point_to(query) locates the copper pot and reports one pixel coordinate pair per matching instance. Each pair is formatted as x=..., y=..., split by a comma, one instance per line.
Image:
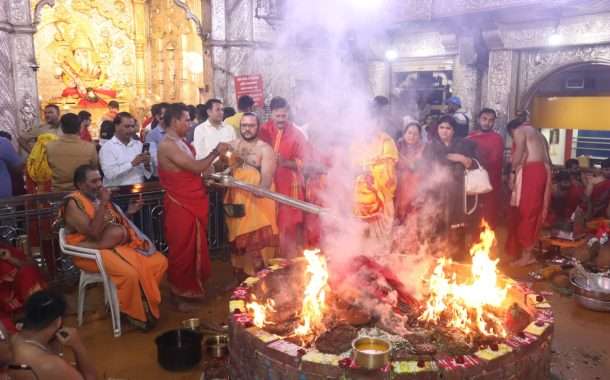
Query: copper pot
x=371, y=353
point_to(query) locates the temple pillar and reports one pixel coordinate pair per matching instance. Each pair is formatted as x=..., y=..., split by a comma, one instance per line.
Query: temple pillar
x=140, y=24
x=466, y=78
x=7, y=100
x=501, y=81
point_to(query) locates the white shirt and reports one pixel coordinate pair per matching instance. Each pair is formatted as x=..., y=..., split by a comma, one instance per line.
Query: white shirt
x=206, y=137
x=115, y=160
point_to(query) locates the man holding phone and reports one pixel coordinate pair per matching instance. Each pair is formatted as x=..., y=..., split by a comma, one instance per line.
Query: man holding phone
x=124, y=159
x=37, y=346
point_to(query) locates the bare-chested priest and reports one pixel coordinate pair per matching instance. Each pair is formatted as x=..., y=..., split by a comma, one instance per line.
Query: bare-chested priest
x=253, y=236
x=530, y=182
x=186, y=208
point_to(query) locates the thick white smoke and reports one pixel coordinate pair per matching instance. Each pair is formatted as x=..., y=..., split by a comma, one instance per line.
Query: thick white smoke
x=333, y=40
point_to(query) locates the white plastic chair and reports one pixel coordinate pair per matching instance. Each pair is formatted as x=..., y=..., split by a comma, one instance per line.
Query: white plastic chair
x=110, y=293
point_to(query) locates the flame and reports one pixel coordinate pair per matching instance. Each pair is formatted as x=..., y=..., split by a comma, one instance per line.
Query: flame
x=259, y=311
x=312, y=311
x=464, y=304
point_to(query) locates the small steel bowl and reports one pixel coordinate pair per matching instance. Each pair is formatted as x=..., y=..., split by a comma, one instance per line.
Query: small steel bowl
x=191, y=324
x=371, y=353
x=217, y=346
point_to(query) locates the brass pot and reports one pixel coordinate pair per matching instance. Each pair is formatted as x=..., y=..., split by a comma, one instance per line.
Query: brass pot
x=191, y=324
x=371, y=353
x=217, y=346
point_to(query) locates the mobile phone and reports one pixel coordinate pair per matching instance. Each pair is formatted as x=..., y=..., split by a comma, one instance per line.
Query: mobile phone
x=145, y=147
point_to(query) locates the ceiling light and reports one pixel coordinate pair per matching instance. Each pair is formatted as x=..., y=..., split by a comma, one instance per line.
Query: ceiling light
x=555, y=39
x=391, y=55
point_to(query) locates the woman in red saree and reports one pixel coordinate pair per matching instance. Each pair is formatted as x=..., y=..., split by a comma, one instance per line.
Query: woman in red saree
x=19, y=278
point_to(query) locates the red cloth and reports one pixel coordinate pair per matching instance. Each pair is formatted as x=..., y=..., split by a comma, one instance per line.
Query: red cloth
x=598, y=192
x=525, y=221
x=186, y=221
x=573, y=199
x=85, y=135
x=408, y=180
x=17, y=283
x=490, y=149
x=289, y=144
x=84, y=101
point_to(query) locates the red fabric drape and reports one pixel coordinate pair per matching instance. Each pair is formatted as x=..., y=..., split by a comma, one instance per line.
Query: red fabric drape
x=490, y=149
x=525, y=221
x=290, y=144
x=186, y=220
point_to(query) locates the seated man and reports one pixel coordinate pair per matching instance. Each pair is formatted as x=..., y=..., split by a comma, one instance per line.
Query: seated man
x=35, y=346
x=19, y=278
x=568, y=193
x=253, y=236
x=130, y=258
x=597, y=189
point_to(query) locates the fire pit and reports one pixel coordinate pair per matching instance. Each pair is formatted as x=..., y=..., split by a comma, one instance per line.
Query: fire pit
x=294, y=321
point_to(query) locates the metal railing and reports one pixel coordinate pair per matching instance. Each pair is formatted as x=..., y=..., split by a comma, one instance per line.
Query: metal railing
x=28, y=221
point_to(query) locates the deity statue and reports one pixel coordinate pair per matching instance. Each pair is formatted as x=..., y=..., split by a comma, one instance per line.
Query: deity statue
x=27, y=113
x=79, y=62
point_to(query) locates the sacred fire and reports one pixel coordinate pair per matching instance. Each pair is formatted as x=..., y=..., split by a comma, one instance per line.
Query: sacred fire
x=463, y=306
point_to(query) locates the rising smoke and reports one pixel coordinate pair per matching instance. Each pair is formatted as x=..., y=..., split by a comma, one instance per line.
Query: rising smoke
x=334, y=39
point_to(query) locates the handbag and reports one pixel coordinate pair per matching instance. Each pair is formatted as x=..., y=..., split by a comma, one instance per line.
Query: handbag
x=476, y=181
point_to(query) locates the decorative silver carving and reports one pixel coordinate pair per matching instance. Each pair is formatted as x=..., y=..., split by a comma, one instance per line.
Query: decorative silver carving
x=218, y=20
x=3, y=11
x=582, y=30
x=7, y=103
x=446, y=8
x=378, y=78
x=19, y=10
x=423, y=45
x=499, y=82
x=537, y=65
x=27, y=113
x=466, y=86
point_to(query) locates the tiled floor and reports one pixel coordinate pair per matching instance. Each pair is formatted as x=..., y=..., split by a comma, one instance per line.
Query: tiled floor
x=581, y=343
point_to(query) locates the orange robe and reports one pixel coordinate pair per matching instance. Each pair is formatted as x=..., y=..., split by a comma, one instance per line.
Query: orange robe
x=186, y=224
x=290, y=144
x=254, y=236
x=375, y=189
x=136, y=268
x=490, y=149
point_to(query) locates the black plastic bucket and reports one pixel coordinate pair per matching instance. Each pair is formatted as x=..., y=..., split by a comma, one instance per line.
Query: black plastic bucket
x=178, y=349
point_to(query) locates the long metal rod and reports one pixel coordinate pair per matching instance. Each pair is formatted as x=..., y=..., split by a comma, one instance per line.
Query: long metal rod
x=228, y=181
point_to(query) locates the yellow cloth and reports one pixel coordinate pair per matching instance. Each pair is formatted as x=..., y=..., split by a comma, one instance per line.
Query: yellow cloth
x=375, y=188
x=234, y=121
x=254, y=236
x=259, y=212
x=37, y=164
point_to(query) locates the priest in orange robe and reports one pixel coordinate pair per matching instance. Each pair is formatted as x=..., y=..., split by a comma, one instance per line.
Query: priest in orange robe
x=129, y=257
x=290, y=146
x=254, y=234
x=186, y=208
